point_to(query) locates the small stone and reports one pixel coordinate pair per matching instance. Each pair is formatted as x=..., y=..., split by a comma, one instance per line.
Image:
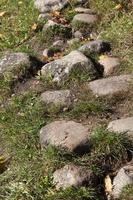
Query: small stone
x=73, y=41
x=123, y=178
x=14, y=61
x=60, y=69
x=45, y=16
x=85, y=19
x=83, y=10
x=49, y=24
x=110, y=64
x=96, y=46
x=122, y=126
x=63, y=98
x=58, y=44
x=67, y=135
x=72, y=175
x=111, y=86
x=45, y=6
x=78, y=34
x=48, y=53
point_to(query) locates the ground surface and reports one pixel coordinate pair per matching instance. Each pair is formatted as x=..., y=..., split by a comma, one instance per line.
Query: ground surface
x=22, y=114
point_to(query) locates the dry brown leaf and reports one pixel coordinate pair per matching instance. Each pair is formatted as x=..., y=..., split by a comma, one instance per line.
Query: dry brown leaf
x=108, y=185
x=118, y=7
x=2, y=13
x=55, y=13
x=34, y=27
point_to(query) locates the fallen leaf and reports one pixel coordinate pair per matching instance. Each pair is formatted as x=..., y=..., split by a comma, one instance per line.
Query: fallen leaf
x=56, y=13
x=34, y=27
x=2, y=13
x=118, y=7
x=108, y=185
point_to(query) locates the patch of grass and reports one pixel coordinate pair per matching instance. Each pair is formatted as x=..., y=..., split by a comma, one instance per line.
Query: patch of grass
x=127, y=193
x=109, y=149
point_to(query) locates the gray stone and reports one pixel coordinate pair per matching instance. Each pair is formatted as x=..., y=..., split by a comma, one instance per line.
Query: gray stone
x=67, y=135
x=13, y=62
x=72, y=175
x=49, y=24
x=122, y=179
x=85, y=19
x=96, y=46
x=73, y=41
x=83, y=10
x=110, y=64
x=44, y=16
x=58, y=44
x=63, y=98
x=78, y=34
x=111, y=86
x=122, y=126
x=59, y=70
x=50, y=5
x=48, y=53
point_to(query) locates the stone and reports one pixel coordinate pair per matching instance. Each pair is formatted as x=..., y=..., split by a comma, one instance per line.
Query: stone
x=48, y=53
x=12, y=62
x=44, y=16
x=63, y=98
x=72, y=175
x=110, y=64
x=49, y=24
x=78, y=34
x=73, y=41
x=96, y=46
x=59, y=70
x=45, y=6
x=67, y=135
x=58, y=44
x=83, y=10
x=122, y=126
x=85, y=19
x=123, y=178
x=111, y=86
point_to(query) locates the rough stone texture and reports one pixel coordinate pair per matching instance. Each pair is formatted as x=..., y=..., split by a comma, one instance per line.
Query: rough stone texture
x=71, y=175
x=112, y=85
x=44, y=16
x=78, y=34
x=122, y=179
x=110, y=64
x=83, y=10
x=96, y=46
x=73, y=41
x=49, y=24
x=122, y=126
x=58, y=44
x=50, y=5
x=63, y=98
x=67, y=135
x=14, y=61
x=60, y=69
x=85, y=18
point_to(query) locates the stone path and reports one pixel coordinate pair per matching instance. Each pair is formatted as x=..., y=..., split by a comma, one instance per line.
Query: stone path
x=70, y=135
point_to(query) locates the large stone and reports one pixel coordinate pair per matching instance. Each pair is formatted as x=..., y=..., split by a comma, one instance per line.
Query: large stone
x=110, y=64
x=59, y=70
x=50, y=5
x=14, y=62
x=122, y=126
x=96, y=46
x=122, y=179
x=111, y=86
x=72, y=175
x=85, y=19
x=63, y=98
x=67, y=135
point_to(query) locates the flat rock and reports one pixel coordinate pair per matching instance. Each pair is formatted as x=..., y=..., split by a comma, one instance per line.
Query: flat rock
x=83, y=10
x=96, y=46
x=122, y=179
x=85, y=19
x=63, y=98
x=110, y=64
x=67, y=135
x=14, y=61
x=45, y=6
x=71, y=175
x=111, y=86
x=59, y=70
x=122, y=126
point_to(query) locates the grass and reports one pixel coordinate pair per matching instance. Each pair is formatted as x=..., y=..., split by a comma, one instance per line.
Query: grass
x=29, y=175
